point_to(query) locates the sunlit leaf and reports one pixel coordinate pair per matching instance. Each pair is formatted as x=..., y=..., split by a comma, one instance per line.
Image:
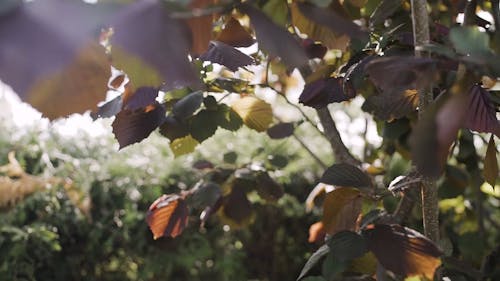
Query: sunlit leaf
x=255, y=113
x=490, y=170
x=322, y=92
x=332, y=20
x=402, y=250
x=167, y=216
x=184, y=145
x=268, y=188
x=188, y=105
x=272, y=38
x=345, y=175
x=281, y=130
x=234, y=34
x=313, y=261
x=481, y=114
x=341, y=209
x=317, y=232
x=226, y=55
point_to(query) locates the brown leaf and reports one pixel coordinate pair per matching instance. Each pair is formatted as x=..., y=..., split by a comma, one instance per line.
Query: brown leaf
x=402, y=250
x=317, y=233
x=201, y=27
x=167, y=216
x=490, y=170
x=341, y=209
x=234, y=34
x=481, y=114
x=236, y=209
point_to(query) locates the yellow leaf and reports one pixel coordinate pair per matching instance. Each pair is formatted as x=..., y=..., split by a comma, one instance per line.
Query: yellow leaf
x=255, y=113
x=183, y=145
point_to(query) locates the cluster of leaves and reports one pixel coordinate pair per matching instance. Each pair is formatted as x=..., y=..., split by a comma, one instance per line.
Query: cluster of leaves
x=375, y=61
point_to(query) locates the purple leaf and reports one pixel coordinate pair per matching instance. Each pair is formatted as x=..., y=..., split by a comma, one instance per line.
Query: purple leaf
x=481, y=114
x=322, y=92
x=141, y=98
x=332, y=20
x=226, y=55
x=281, y=130
x=274, y=39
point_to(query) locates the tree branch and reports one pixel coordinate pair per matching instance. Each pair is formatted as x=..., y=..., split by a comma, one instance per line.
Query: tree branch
x=430, y=210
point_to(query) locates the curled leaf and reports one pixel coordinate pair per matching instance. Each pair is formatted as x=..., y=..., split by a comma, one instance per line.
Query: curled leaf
x=167, y=216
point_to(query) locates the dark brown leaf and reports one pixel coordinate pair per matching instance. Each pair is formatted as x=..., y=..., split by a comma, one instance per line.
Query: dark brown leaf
x=322, y=92
x=341, y=209
x=236, y=208
x=167, y=216
x=490, y=170
x=402, y=250
x=346, y=175
x=273, y=38
x=313, y=50
x=234, y=34
x=268, y=188
x=134, y=125
x=226, y=55
x=332, y=20
x=481, y=115
x=281, y=130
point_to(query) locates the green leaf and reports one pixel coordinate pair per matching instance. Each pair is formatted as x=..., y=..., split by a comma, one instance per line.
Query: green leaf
x=332, y=267
x=205, y=194
x=346, y=175
x=490, y=170
x=278, y=161
x=470, y=40
x=188, y=105
x=347, y=245
x=203, y=125
x=228, y=119
x=183, y=145
x=315, y=258
x=230, y=157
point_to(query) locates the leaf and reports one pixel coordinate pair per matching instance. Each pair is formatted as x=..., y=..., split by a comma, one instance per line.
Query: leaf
x=141, y=98
x=203, y=125
x=322, y=92
x=109, y=109
x=317, y=232
x=131, y=126
x=470, y=40
x=316, y=31
x=315, y=258
x=347, y=245
x=346, y=175
x=236, y=209
x=205, y=194
x=341, y=209
x=268, y=188
x=272, y=38
x=490, y=170
x=234, y=34
x=481, y=114
x=185, y=107
x=277, y=10
x=184, y=145
x=313, y=50
x=228, y=119
x=402, y=250
x=226, y=55
x=332, y=20
x=281, y=130
x=145, y=31
x=230, y=157
x=173, y=128
x=167, y=216
x=254, y=112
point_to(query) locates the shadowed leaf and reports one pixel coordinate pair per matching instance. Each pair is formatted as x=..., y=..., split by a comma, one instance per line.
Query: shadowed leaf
x=205, y=194
x=402, y=250
x=469, y=40
x=226, y=55
x=173, y=128
x=268, y=188
x=346, y=175
x=314, y=50
x=481, y=115
x=281, y=130
x=490, y=170
x=322, y=92
x=384, y=10
x=167, y=216
x=255, y=113
x=313, y=261
x=341, y=209
x=141, y=98
x=236, y=209
x=347, y=245
x=272, y=38
x=131, y=126
x=228, y=119
x=387, y=107
x=234, y=34
x=185, y=107
x=109, y=109
x=332, y=20
x=203, y=125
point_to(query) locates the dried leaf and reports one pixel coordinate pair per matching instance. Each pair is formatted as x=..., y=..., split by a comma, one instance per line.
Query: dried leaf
x=272, y=38
x=402, y=250
x=234, y=34
x=255, y=113
x=226, y=55
x=317, y=232
x=341, y=209
x=167, y=216
x=490, y=170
